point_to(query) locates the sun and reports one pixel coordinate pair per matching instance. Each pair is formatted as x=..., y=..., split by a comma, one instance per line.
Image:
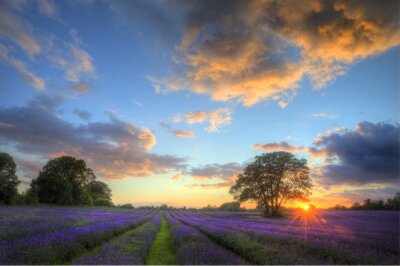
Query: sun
x=306, y=207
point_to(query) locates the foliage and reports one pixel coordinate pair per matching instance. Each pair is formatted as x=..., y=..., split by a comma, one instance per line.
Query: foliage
x=67, y=180
x=8, y=179
x=230, y=206
x=100, y=193
x=370, y=204
x=102, y=202
x=271, y=179
x=126, y=206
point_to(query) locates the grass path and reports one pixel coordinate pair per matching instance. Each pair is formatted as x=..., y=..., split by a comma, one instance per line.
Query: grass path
x=162, y=251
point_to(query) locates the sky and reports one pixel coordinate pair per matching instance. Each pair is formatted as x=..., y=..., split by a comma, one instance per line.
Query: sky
x=167, y=101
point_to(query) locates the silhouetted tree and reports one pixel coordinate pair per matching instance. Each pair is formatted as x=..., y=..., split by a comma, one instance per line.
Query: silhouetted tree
x=271, y=179
x=8, y=179
x=64, y=180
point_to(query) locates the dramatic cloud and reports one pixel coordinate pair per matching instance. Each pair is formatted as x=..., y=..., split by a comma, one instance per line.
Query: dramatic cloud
x=115, y=149
x=279, y=146
x=26, y=75
x=215, y=175
x=254, y=50
x=215, y=118
x=368, y=154
x=183, y=134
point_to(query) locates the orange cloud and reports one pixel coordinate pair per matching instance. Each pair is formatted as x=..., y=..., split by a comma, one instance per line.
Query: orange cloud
x=215, y=118
x=183, y=134
x=177, y=176
x=255, y=50
x=279, y=146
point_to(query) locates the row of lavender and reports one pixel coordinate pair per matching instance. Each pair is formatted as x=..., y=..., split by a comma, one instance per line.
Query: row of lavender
x=56, y=235
x=194, y=248
x=318, y=238
x=131, y=248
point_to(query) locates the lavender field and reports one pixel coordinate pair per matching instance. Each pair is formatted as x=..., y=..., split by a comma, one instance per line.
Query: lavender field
x=74, y=235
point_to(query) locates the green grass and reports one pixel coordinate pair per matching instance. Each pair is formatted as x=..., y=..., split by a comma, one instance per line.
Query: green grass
x=162, y=251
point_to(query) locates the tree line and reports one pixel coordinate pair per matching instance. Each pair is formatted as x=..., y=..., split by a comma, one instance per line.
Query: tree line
x=64, y=180
x=371, y=204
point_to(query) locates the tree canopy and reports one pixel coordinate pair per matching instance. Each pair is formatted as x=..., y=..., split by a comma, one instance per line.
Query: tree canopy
x=272, y=179
x=67, y=180
x=8, y=179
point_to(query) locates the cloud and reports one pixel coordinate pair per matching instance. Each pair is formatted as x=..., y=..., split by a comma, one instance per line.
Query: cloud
x=47, y=7
x=165, y=125
x=177, y=176
x=81, y=87
x=215, y=118
x=324, y=115
x=114, y=148
x=215, y=175
x=183, y=134
x=370, y=153
x=250, y=51
x=84, y=115
x=26, y=75
x=81, y=64
x=18, y=31
x=279, y=146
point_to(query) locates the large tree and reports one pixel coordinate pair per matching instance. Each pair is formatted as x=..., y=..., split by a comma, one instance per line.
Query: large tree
x=8, y=179
x=64, y=180
x=272, y=179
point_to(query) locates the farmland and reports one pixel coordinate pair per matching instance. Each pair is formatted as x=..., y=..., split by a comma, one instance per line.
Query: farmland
x=76, y=235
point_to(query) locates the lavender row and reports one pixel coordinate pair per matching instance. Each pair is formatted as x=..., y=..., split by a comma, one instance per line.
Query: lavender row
x=312, y=248
x=23, y=222
x=194, y=248
x=62, y=245
x=381, y=234
x=239, y=243
x=129, y=249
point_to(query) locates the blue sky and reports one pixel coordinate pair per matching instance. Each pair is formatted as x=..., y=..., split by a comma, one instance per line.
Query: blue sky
x=186, y=90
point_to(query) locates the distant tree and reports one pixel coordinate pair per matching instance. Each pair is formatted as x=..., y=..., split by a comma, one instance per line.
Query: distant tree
x=164, y=207
x=371, y=204
x=339, y=208
x=271, y=179
x=230, y=206
x=126, y=206
x=64, y=180
x=356, y=206
x=210, y=208
x=8, y=179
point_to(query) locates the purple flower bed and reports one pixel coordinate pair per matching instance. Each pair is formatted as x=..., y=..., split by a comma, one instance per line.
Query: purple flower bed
x=130, y=248
x=58, y=246
x=326, y=238
x=194, y=248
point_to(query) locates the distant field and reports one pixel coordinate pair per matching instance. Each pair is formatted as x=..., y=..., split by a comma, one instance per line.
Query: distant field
x=73, y=235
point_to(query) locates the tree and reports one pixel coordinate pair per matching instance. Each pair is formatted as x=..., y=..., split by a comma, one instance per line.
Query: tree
x=230, y=206
x=272, y=179
x=100, y=193
x=8, y=179
x=64, y=180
